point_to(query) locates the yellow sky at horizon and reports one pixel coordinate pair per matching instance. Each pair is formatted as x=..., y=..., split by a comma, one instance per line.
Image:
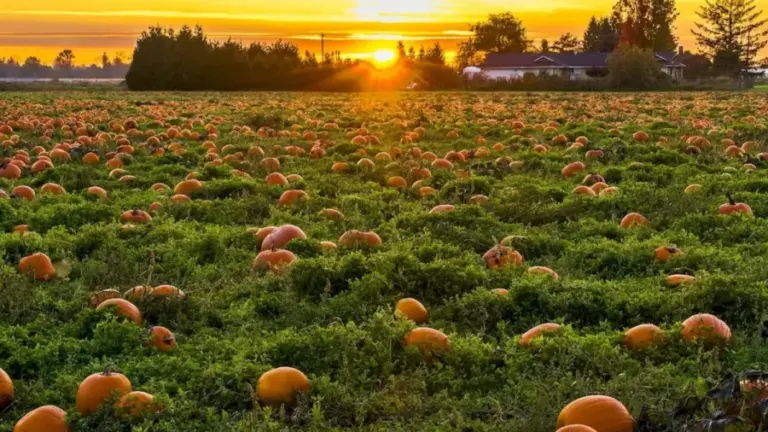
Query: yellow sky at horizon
x=355, y=27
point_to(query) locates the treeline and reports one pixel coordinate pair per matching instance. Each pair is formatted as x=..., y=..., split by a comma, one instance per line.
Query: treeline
x=63, y=66
x=165, y=59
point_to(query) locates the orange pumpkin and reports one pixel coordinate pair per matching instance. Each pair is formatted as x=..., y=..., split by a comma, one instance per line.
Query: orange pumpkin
x=270, y=164
x=642, y=337
x=23, y=192
x=601, y=413
x=503, y=292
x=38, y=266
x=664, y=253
x=397, y=182
x=137, y=404
x=706, y=327
x=97, y=191
x=572, y=169
x=733, y=207
x=122, y=308
x=276, y=179
x=539, y=270
x=537, y=331
x=137, y=292
x=328, y=245
x=584, y=190
x=354, y=238
x=162, y=338
x=502, y=256
x=52, y=189
x=332, y=214
x=428, y=340
x=576, y=428
x=442, y=208
x=279, y=237
x=167, y=291
x=91, y=159
x=10, y=171
x=44, y=419
x=6, y=390
x=135, y=215
x=188, y=187
x=99, y=388
x=412, y=309
x=281, y=386
x=633, y=220
x=274, y=259
x=640, y=136
x=678, y=279
x=292, y=196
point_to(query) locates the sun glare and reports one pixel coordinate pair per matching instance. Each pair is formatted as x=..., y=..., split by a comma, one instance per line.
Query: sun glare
x=384, y=57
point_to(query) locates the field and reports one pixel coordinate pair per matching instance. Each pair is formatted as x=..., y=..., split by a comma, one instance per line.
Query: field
x=329, y=313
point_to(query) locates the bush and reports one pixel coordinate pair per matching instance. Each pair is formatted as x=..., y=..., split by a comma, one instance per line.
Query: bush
x=633, y=68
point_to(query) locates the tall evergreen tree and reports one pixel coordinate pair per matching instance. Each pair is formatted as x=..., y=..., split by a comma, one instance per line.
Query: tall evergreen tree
x=732, y=32
x=602, y=35
x=567, y=44
x=435, y=55
x=544, y=46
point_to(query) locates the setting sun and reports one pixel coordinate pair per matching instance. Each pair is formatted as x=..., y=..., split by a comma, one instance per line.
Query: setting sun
x=383, y=57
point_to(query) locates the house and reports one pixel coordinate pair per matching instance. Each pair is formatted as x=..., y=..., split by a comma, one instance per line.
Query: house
x=572, y=66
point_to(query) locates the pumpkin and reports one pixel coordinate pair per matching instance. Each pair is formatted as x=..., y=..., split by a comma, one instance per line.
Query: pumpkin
x=397, y=182
x=576, y=428
x=274, y=260
x=441, y=164
x=442, y=208
x=279, y=237
x=135, y=215
x=612, y=190
x=572, y=169
x=584, y=190
x=354, y=238
x=122, y=308
x=136, y=404
x=10, y=171
x=539, y=270
x=53, y=189
x=102, y=296
x=706, y=327
x=502, y=256
x=23, y=192
x=99, y=388
x=276, y=179
x=167, y=291
x=340, y=167
x=642, y=337
x=281, y=386
x=328, y=245
x=188, y=187
x=642, y=137
x=332, y=214
x=162, y=338
x=428, y=340
x=503, y=292
x=40, y=166
x=479, y=199
x=38, y=266
x=664, y=253
x=733, y=207
x=633, y=220
x=412, y=309
x=601, y=413
x=599, y=187
x=160, y=187
x=91, y=159
x=537, y=331
x=678, y=279
x=292, y=196
x=97, y=191
x=270, y=164
x=6, y=390
x=47, y=418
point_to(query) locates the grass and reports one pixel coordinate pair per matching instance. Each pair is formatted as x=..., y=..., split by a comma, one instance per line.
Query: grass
x=330, y=315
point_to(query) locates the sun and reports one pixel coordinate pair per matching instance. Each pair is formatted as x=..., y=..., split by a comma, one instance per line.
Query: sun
x=384, y=57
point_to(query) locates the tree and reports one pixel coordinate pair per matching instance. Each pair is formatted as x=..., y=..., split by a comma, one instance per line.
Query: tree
x=32, y=67
x=422, y=54
x=696, y=65
x=647, y=24
x=411, y=53
x=602, y=35
x=544, y=46
x=467, y=55
x=732, y=32
x=401, y=50
x=435, y=55
x=634, y=68
x=501, y=33
x=65, y=60
x=566, y=44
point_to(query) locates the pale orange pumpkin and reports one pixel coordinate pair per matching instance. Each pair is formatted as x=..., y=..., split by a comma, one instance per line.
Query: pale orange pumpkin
x=281, y=386
x=601, y=413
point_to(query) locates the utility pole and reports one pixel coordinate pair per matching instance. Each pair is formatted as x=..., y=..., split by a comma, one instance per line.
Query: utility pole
x=322, y=46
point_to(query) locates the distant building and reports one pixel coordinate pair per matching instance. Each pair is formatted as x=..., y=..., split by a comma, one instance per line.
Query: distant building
x=572, y=66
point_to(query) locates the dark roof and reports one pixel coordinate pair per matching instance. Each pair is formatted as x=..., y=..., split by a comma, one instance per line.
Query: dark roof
x=586, y=59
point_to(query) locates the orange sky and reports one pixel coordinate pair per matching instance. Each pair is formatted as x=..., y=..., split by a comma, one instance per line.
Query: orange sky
x=356, y=27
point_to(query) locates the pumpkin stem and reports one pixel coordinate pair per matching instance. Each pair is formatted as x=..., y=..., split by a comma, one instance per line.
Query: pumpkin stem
x=730, y=198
